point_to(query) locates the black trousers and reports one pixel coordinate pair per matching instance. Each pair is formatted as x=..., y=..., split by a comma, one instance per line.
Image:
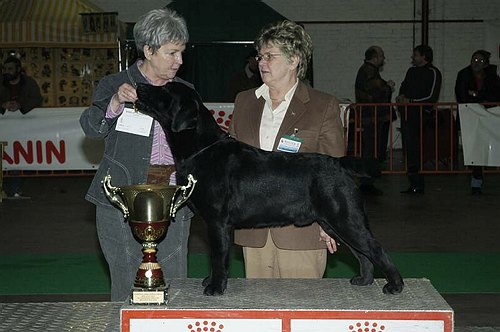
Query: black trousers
x=369, y=143
x=412, y=124
x=375, y=136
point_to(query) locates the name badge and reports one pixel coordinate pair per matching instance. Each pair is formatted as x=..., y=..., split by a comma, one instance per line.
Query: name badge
x=290, y=143
x=134, y=122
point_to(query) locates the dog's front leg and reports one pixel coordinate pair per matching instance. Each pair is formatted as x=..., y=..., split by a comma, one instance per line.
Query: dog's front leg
x=219, y=234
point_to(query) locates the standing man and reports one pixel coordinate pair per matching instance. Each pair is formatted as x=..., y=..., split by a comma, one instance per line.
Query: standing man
x=248, y=78
x=478, y=83
x=18, y=92
x=422, y=84
x=371, y=88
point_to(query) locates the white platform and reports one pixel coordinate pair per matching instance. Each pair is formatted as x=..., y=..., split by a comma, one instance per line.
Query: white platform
x=294, y=305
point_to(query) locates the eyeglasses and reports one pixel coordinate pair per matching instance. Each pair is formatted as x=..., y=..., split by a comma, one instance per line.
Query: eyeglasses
x=267, y=56
x=478, y=60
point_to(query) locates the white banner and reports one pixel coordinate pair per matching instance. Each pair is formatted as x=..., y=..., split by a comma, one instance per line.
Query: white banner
x=48, y=139
x=215, y=325
x=480, y=134
x=380, y=325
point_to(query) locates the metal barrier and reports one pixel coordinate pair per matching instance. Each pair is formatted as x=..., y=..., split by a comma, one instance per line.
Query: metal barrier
x=439, y=127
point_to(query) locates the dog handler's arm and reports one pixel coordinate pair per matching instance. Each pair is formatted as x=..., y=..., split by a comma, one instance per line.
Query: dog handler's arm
x=107, y=104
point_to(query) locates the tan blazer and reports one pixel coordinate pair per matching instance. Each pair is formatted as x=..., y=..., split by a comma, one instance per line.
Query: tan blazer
x=316, y=115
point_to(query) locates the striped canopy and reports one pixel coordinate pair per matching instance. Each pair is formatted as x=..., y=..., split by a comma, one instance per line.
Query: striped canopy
x=52, y=23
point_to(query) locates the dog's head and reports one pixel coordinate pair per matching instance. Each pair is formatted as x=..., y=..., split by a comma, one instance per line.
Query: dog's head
x=175, y=105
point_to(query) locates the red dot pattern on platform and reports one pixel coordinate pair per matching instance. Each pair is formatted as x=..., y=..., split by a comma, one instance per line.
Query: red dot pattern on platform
x=205, y=326
x=223, y=118
x=366, y=327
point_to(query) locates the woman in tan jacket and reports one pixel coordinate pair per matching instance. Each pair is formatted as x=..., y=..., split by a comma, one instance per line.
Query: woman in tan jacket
x=284, y=114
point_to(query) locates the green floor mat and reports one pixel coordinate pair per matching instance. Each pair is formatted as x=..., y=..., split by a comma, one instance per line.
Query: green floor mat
x=87, y=274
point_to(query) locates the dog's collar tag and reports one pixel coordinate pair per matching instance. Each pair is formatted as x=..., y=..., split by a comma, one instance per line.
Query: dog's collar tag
x=290, y=143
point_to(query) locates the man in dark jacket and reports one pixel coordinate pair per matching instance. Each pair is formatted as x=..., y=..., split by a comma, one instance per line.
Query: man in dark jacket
x=18, y=91
x=370, y=87
x=422, y=84
x=478, y=83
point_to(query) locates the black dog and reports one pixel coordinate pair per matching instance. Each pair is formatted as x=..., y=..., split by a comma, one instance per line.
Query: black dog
x=240, y=186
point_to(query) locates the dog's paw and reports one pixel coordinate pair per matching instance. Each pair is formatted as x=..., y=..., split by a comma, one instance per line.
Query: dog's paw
x=393, y=288
x=361, y=281
x=206, y=281
x=214, y=287
x=213, y=290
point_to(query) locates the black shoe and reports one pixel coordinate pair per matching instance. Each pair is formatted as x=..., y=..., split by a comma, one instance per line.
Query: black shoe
x=476, y=191
x=370, y=189
x=413, y=191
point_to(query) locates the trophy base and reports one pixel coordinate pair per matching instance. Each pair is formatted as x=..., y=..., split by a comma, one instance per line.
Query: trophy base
x=157, y=296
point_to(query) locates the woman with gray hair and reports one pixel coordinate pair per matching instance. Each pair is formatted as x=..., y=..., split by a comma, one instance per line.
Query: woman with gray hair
x=137, y=154
x=285, y=114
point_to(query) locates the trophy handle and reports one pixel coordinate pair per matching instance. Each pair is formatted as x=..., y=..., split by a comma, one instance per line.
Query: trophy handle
x=174, y=206
x=112, y=194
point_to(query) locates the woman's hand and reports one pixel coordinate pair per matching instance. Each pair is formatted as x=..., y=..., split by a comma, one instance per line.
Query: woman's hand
x=125, y=93
x=331, y=244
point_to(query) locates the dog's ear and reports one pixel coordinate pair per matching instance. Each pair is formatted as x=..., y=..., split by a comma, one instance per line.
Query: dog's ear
x=185, y=111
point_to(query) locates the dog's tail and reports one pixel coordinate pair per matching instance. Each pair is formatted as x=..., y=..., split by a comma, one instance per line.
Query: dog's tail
x=361, y=167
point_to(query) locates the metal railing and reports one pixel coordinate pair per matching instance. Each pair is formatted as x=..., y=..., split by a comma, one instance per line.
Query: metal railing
x=439, y=136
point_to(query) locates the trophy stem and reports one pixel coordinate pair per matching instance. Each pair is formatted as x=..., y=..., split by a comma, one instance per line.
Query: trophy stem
x=149, y=275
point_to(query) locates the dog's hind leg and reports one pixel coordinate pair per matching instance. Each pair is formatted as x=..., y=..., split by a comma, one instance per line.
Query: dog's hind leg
x=365, y=276
x=368, y=252
x=220, y=242
x=377, y=256
x=381, y=259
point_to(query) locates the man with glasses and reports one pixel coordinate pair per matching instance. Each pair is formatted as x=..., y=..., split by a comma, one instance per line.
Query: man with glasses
x=478, y=83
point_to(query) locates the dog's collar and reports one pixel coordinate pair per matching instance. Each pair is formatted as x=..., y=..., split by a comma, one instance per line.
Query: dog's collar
x=227, y=136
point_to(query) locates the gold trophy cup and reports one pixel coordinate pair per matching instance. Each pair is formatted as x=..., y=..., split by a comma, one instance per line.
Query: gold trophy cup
x=149, y=209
